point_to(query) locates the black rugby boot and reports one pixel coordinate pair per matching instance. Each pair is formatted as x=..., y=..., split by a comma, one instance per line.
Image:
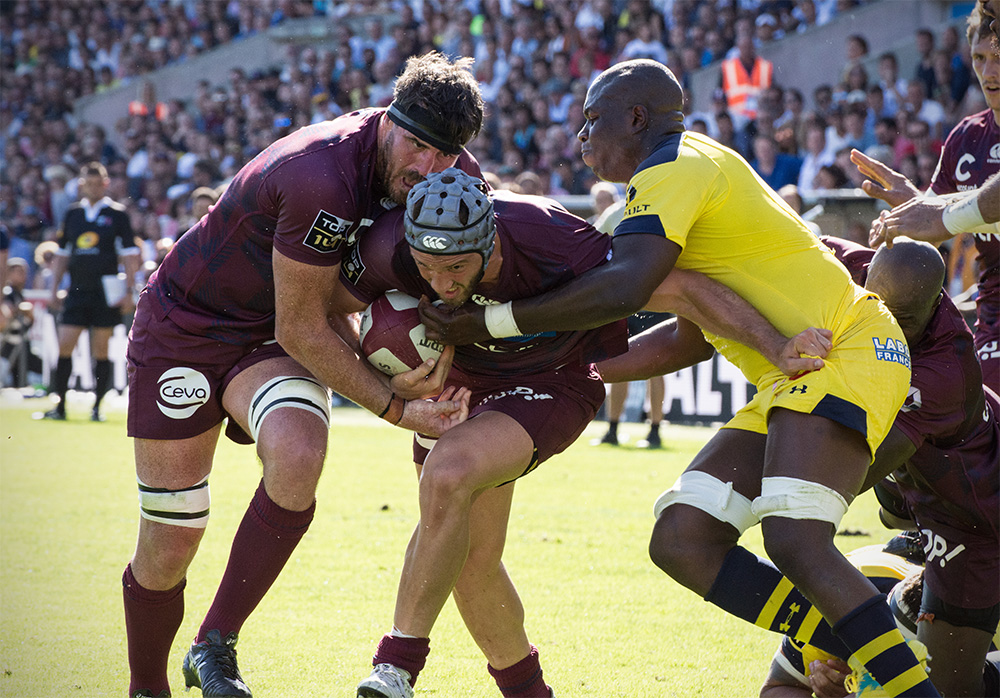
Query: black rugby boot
x=211, y=666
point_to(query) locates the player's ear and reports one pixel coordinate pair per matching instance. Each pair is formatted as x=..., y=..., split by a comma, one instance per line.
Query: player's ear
x=640, y=118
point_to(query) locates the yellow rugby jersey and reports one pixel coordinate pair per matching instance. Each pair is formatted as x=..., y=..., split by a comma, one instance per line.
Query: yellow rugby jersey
x=734, y=228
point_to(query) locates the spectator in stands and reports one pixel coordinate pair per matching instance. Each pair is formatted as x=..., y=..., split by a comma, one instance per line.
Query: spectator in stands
x=744, y=77
x=21, y=366
x=959, y=60
x=816, y=156
x=924, y=71
x=925, y=109
x=775, y=168
x=855, y=125
x=893, y=87
x=830, y=177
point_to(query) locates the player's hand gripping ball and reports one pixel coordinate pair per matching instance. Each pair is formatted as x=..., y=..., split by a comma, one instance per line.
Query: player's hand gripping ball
x=392, y=336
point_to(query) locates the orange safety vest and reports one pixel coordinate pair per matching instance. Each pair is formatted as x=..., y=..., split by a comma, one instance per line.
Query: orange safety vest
x=139, y=108
x=742, y=88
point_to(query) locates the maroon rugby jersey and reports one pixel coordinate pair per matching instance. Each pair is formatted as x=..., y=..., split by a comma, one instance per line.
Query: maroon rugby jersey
x=950, y=417
x=543, y=246
x=308, y=195
x=970, y=156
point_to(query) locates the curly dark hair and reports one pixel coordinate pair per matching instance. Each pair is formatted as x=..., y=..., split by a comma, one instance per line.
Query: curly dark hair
x=446, y=88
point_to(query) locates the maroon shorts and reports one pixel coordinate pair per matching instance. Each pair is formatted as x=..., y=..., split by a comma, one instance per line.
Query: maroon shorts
x=553, y=407
x=961, y=568
x=176, y=379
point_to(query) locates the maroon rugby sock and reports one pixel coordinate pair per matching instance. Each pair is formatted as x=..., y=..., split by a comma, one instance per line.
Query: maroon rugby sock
x=264, y=541
x=151, y=622
x=406, y=653
x=522, y=680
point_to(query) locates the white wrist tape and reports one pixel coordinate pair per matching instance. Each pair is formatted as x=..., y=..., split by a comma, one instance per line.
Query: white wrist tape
x=962, y=216
x=500, y=321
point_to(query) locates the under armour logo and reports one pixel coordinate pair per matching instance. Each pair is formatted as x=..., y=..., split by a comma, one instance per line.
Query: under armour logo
x=798, y=389
x=792, y=610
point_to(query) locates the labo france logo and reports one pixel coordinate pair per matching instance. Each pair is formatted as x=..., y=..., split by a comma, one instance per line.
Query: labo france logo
x=182, y=391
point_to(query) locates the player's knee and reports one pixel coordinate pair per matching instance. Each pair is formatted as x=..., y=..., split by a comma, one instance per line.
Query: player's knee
x=451, y=473
x=293, y=458
x=673, y=545
x=287, y=410
x=446, y=479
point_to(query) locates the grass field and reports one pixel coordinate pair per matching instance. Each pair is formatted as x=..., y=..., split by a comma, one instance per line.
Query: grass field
x=606, y=621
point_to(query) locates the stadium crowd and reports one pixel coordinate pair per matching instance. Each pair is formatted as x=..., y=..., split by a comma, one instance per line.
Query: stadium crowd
x=533, y=63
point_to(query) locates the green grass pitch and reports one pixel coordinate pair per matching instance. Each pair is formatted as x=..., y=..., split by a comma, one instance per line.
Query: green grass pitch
x=606, y=621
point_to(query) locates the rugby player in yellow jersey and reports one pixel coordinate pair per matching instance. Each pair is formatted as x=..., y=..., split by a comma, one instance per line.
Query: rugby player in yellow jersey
x=796, y=456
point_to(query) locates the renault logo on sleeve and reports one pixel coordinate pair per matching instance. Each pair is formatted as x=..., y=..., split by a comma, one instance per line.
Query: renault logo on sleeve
x=181, y=392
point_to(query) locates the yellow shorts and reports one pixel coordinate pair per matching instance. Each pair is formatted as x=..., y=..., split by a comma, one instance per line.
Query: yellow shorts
x=862, y=385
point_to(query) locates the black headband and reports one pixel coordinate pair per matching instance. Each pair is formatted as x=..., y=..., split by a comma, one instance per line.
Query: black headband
x=425, y=126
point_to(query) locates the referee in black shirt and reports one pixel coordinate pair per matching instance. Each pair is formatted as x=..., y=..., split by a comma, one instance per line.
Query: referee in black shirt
x=96, y=235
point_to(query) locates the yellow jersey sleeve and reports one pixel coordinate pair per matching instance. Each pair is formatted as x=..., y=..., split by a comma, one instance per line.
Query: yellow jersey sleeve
x=734, y=228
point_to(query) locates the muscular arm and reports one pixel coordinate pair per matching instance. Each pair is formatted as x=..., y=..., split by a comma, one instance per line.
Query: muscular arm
x=639, y=275
x=304, y=301
x=617, y=289
x=721, y=311
x=989, y=199
x=670, y=346
x=612, y=291
x=892, y=453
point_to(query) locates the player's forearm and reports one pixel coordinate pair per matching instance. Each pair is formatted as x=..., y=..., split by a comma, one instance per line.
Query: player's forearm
x=325, y=354
x=612, y=291
x=720, y=311
x=665, y=348
x=989, y=199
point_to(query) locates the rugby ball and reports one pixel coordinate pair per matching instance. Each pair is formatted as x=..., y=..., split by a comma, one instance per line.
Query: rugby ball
x=392, y=337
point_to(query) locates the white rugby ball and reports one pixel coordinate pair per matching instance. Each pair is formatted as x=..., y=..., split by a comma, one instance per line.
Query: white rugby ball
x=392, y=337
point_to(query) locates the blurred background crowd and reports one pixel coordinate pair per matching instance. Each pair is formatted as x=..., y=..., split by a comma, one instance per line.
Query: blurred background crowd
x=168, y=158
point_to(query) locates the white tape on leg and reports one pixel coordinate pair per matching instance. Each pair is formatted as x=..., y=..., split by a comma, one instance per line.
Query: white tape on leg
x=288, y=391
x=187, y=507
x=710, y=494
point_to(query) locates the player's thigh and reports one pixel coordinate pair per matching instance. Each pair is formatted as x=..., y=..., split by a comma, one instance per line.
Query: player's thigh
x=279, y=403
x=488, y=450
x=817, y=449
x=175, y=464
x=734, y=456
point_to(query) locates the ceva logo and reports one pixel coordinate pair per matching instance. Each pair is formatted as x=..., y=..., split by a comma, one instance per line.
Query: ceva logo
x=182, y=391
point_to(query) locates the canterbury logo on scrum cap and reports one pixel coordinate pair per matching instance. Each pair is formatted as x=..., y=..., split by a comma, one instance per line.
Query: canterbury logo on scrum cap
x=434, y=242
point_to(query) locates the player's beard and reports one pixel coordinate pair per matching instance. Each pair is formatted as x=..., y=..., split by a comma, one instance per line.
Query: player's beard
x=390, y=180
x=462, y=299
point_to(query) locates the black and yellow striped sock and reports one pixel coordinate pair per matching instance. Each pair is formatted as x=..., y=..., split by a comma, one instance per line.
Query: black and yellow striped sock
x=871, y=633
x=753, y=589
